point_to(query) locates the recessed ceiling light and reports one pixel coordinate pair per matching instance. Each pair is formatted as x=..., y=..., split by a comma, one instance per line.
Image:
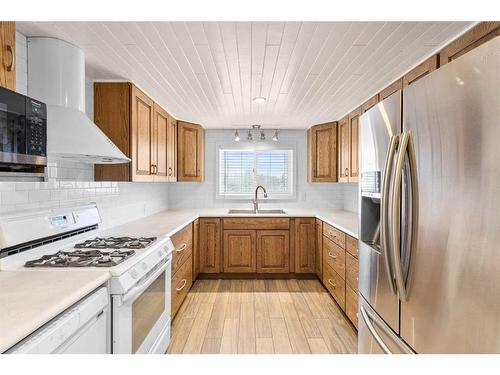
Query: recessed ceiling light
x=259, y=99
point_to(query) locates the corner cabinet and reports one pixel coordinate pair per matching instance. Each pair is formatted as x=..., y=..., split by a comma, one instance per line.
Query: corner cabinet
x=190, y=154
x=141, y=129
x=8, y=55
x=322, y=153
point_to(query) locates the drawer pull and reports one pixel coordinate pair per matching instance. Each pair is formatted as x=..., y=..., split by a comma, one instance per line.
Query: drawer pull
x=182, y=248
x=184, y=282
x=331, y=255
x=332, y=283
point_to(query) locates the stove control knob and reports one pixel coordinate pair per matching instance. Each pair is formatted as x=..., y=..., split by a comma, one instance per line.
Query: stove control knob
x=134, y=274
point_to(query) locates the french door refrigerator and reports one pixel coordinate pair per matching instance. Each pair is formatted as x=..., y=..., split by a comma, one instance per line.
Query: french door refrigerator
x=430, y=213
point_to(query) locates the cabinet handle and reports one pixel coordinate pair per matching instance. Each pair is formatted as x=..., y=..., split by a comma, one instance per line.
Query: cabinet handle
x=332, y=234
x=184, y=282
x=347, y=172
x=182, y=248
x=170, y=171
x=331, y=255
x=332, y=283
x=12, y=64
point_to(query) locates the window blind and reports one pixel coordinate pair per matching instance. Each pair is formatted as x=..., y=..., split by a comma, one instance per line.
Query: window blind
x=240, y=171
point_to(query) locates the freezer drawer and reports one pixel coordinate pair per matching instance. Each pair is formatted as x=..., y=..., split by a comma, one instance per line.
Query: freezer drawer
x=376, y=337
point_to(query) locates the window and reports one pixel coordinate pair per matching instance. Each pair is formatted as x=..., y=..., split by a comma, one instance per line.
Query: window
x=241, y=171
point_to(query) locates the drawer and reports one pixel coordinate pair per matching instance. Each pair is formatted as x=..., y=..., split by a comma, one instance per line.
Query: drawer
x=183, y=244
x=256, y=223
x=351, y=245
x=181, y=283
x=351, y=306
x=352, y=271
x=334, y=256
x=335, y=285
x=334, y=234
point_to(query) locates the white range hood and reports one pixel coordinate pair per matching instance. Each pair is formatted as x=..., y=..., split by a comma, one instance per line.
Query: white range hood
x=56, y=76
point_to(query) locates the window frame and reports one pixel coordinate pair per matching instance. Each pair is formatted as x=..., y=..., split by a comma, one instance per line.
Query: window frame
x=258, y=146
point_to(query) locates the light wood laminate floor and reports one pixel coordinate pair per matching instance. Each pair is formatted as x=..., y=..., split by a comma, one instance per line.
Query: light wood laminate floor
x=261, y=316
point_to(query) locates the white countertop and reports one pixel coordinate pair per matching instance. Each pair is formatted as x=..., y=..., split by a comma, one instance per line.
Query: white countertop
x=168, y=222
x=29, y=299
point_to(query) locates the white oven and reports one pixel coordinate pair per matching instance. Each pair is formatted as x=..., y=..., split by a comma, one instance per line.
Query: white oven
x=141, y=315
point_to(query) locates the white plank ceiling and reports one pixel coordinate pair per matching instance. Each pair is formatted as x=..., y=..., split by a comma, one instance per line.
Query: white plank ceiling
x=208, y=72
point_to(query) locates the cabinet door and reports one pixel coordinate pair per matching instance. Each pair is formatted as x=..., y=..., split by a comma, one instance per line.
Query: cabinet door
x=190, y=151
x=8, y=55
x=351, y=305
x=354, y=145
x=305, y=245
x=142, y=134
x=172, y=149
x=210, y=245
x=160, y=143
x=391, y=89
x=344, y=150
x=319, y=248
x=322, y=157
x=421, y=70
x=273, y=251
x=239, y=249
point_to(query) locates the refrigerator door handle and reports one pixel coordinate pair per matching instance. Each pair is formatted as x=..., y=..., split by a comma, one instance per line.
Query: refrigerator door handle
x=385, y=210
x=406, y=145
x=373, y=332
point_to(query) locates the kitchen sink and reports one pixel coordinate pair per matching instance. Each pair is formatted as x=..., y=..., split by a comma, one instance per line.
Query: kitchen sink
x=252, y=212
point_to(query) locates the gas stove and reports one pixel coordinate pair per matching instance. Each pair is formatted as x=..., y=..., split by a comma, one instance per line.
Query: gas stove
x=79, y=258
x=116, y=243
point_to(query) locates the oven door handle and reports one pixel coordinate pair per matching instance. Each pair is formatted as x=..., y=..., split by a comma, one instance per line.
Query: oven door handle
x=137, y=290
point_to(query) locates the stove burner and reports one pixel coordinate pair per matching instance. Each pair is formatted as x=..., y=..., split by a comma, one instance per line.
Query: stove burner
x=116, y=243
x=81, y=258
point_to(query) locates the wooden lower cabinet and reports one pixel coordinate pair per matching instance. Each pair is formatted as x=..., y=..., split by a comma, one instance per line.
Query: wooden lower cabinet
x=239, y=251
x=352, y=271
x=273, y=251
x=305, y=245
x=210, y=245
x=335, y=285
x=334, y=256
x=196, y=248
x=183, y=246
x=181, y=283
x=351, y=305
x=319, y=248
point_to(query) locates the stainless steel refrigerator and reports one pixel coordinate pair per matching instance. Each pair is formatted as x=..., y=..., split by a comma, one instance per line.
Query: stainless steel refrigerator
x=430, y=213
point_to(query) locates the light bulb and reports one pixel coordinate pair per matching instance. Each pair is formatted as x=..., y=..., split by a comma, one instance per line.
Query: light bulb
x=249, y=136
x=236, y=136
x=262, y=135
x=275, y=136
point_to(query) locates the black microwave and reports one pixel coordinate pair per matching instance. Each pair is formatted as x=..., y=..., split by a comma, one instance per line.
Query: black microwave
x=23, y=131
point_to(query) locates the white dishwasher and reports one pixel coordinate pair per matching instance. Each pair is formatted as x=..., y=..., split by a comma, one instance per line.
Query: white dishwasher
x=82, y=329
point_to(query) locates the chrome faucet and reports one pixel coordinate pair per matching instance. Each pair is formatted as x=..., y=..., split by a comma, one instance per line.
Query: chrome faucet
x=256, y=201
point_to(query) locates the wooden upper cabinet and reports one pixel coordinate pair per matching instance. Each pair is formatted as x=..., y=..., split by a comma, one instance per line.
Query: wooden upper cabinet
x=159, y=144
x=354, y=145
x=8, y=55
x=143, y=149
x=471, y=39
x=372, y=102
x=190, y=153
x=140, y=128
x=112, y=102
x=273, y=251
x=172, y=149
x=421, y=70
x=239, y=251
x=305, y=245
x=209, y=233
x=322, y=153
x=343, y=154
x=391, y=89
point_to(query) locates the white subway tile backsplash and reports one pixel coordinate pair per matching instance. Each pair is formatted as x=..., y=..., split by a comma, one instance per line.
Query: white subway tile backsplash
x=10, y=198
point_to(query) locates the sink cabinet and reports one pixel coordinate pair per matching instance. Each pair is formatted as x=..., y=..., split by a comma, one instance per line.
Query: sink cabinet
x=239, y=251
x=273, y=251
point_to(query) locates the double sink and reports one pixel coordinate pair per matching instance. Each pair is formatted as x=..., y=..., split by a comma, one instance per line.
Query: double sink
x=261, y=212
